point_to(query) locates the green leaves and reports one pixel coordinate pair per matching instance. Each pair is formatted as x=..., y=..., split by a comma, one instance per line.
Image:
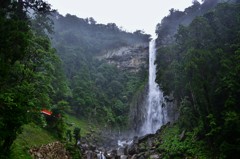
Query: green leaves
x=27, y=69
x=102, y=93
x=172, y=146
x=204, y=64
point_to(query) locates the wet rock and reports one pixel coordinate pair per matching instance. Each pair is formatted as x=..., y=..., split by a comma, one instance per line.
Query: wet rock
x=126, y=150
x=123, y=157
x=133, y=149
x=141, y=157
x=120, y=151
x=114, y=152
x=146, y=137
x=100, y=156
x=182, y=135
x=84, y=147
x=135, y=140
x=90, y=154
x=92, y=147
x=111, y=154
x=154, y=156
x=134, y=156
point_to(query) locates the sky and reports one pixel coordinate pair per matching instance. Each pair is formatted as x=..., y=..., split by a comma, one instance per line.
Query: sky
x=131, y=15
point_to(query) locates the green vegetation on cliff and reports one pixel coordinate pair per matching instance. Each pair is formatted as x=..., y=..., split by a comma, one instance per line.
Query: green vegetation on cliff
x=34, y=76
x=181, y=144
x=200, y=66
x=100, y=92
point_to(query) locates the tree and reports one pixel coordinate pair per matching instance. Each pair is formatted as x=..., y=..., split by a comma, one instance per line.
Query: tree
x=202, y=64
x=92, y=21
x=25, y=69
x=76, y=134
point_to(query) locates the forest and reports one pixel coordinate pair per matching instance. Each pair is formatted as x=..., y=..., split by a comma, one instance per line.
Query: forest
x=50, y=62
x=39, y=71
x=97, y=88
x=198, y=62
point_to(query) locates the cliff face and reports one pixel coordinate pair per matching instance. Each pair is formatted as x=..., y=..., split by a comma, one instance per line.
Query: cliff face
x=130, y=58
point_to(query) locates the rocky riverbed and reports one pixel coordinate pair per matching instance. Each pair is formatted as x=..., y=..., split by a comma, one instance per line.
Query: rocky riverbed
x=138, y=148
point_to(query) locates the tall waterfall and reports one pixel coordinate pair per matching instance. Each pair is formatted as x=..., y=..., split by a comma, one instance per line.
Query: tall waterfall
x=156, y=114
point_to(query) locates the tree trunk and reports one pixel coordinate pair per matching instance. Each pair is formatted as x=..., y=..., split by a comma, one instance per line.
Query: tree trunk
x=5, y=147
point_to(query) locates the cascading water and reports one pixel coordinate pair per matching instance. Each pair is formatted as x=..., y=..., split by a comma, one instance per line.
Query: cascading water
x=155, y=114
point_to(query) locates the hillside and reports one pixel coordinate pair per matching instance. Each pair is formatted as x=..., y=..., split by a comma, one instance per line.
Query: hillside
x=35, y=136
x=199, y=66
x=101, y=91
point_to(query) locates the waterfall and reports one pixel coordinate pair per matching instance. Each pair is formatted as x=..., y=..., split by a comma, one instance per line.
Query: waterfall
x=156, y=114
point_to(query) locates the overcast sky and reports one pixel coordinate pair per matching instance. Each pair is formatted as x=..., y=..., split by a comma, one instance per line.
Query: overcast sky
x=130, y=14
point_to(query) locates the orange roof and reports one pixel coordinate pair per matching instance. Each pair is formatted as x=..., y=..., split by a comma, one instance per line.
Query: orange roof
x=47, y=112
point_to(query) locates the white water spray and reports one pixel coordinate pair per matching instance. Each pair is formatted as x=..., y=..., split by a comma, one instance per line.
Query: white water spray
x=156, y=114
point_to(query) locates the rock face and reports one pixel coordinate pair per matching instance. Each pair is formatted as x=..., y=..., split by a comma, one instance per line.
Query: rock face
x=136, y=116
x=131, y=58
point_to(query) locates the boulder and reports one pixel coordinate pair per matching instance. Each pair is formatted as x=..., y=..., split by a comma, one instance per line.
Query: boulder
x=134, y=156
x=123, y=157
x=120, y=151
x=133, y=149
x=89, y=154
x=155, y=156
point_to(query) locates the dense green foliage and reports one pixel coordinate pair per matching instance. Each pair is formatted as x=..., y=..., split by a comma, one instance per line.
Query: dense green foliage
x=104, y=94
x=27, y=68
x=185, y=146
x=33, y=78
x=200, y=66
x=169, y=24
x=100, y=92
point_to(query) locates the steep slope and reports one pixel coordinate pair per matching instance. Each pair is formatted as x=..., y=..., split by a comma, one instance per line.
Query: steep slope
x=199, y=66
x=102, y=82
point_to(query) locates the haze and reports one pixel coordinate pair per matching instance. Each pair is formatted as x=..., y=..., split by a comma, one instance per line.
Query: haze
x=131, y=15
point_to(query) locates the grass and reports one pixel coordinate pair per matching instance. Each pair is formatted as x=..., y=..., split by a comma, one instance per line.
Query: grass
x=31, y=136
x=73, y=122
x=35, y=136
